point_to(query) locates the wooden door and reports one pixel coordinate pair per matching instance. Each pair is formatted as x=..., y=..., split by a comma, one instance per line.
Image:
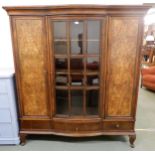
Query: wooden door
x=122, y=66
x=30, y=62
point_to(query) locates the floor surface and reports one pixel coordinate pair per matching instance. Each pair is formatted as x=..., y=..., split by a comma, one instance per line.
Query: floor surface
x=145, y=129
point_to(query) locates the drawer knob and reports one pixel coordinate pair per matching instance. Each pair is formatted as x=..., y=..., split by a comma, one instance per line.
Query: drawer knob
x=76, y=129
x=117, y=125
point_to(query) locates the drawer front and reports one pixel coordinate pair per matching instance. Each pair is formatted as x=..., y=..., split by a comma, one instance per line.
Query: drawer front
x=77, y=127
x=35, y=124
x=5, y=116
x=5, y=130
x=4, y=101
x=3, y=86
x=118, y=125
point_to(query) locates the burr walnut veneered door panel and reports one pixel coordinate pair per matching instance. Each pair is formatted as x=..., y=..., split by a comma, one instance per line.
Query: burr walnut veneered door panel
x=30, y=64
x=121, y=65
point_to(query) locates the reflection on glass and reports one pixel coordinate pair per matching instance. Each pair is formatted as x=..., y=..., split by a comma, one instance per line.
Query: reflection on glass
x=77, y=80
x=60, y=63
x=62, y=101
x=92, y=80
x=77, y=37
x=59, y=30
x=61, y=80
x=60, y=47
x=93, y=30
x=77, y=102
x=77, y=47
x=76, y=29
x=80, y=42
x=92, y=64
x=76, y=64
x=92, y=100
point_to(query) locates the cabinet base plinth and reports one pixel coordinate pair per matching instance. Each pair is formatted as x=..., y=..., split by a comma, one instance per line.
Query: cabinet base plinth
x=132, y=135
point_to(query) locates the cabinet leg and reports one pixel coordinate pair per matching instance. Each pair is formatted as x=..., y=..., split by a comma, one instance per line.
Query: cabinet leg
x=23, y=139
x=132, y=139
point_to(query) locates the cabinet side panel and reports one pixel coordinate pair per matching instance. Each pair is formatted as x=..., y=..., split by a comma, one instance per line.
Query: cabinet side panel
x=122, y=51
x=31, y=57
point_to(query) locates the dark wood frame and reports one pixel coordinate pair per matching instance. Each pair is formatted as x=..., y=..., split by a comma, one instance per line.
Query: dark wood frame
x=99, y=125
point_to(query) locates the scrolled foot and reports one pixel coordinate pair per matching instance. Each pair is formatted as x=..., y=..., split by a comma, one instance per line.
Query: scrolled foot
x=132, y=139
x=22, y=139
x=22, y=143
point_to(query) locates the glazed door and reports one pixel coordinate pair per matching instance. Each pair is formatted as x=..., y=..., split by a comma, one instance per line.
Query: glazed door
x=76, y=53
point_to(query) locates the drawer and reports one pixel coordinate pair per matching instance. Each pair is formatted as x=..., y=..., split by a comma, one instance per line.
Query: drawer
x=35, y=124
x=118, y=125
x=5, y=116
x=3, y=86
x=4, y=101
x=77, y=126
x=5, y=130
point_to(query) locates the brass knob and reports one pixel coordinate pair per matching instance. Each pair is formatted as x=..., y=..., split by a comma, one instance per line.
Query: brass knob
x=117, y=125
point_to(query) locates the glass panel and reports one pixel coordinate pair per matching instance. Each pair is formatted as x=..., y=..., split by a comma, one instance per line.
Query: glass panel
x=76, y=65
x=60, y=41
x=62, y=101
x=60, y=47
x=61, y=80
x=59, y=30
x=92, y=64
x=92, y=100
x=77, y=102
x=77, y=37
x=77, y=80
x=77, y=47
x=92, y=80
x=93, y=47
x=61, y=64
x=93, y=37
x=93, y=30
